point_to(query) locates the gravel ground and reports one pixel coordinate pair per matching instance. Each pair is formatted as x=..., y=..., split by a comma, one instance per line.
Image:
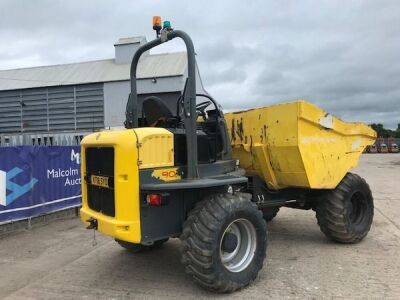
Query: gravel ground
x=58, y=260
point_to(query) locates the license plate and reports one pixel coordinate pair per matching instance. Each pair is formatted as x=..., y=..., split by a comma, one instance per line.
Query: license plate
x=99, y=181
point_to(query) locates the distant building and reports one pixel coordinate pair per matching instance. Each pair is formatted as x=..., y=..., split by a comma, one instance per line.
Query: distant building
x=77, y=98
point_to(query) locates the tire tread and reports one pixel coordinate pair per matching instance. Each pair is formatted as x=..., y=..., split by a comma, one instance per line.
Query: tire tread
x=331, y=211
x=200, y=235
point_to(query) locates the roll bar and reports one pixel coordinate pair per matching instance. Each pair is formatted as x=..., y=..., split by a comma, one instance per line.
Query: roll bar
x=189, y=95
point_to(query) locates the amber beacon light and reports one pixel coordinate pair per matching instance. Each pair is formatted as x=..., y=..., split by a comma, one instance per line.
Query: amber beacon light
x=157, y=24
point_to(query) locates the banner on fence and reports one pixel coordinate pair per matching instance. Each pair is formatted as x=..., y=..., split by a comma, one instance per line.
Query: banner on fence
x=36, y=180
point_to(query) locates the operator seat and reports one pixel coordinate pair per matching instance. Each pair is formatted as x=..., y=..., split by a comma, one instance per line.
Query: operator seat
x=155, y=111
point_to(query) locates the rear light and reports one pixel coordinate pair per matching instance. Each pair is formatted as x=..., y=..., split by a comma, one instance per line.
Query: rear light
x=155, y=199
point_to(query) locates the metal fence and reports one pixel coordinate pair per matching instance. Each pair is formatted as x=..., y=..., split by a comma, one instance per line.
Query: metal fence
x=43, y=139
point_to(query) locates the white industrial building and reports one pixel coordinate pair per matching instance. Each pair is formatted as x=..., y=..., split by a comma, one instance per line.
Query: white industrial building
x=58, y=104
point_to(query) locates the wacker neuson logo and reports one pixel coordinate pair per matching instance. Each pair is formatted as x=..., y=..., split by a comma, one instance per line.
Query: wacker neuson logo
x=16, y=190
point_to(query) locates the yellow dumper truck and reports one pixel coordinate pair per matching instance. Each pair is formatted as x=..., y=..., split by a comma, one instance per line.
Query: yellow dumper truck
x=213, y=180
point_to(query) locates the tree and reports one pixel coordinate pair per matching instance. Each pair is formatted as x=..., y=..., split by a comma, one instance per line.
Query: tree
x=385, y=133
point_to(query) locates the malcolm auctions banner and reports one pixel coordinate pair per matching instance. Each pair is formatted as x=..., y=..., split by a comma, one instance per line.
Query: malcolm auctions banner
x=36, y=180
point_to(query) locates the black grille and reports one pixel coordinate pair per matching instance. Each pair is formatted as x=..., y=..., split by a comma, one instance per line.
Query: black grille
x=101, y=200
x=100, y=161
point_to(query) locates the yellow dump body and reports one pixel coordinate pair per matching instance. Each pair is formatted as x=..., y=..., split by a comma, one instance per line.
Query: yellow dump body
x=296, y=144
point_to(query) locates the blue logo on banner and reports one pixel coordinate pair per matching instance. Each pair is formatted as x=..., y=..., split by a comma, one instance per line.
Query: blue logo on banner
x=16, y=189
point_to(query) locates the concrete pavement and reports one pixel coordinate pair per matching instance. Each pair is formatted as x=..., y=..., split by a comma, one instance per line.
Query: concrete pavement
x=58, y=260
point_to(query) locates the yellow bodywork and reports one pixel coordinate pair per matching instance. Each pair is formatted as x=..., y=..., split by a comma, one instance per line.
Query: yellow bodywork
x=296, y=144
x=154, y=146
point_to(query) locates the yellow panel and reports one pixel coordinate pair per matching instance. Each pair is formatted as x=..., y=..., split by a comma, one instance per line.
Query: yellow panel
x=156, y=147
x=296, y=144
x=126, y=223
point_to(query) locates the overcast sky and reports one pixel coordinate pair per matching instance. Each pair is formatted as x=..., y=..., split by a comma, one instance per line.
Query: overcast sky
x=341, y=55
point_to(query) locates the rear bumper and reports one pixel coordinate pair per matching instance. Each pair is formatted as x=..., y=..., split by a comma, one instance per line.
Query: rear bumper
x=122, y=230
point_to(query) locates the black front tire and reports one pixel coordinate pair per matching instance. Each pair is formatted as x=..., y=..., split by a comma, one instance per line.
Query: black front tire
x=204, y=242
x=345, y=214
x=137, y=248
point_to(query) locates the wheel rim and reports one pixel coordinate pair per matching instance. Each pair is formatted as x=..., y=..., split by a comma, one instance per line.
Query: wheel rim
x=358, y=208
x=243, y=254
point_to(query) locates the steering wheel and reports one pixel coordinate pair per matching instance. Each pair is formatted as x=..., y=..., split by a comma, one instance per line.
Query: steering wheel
x=201, y=107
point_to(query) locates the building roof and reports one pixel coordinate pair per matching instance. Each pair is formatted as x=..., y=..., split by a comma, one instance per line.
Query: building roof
x=130, y=40
x=158, y=65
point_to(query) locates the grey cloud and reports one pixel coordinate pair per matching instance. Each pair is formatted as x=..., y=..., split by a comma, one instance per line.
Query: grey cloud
x=343, y=56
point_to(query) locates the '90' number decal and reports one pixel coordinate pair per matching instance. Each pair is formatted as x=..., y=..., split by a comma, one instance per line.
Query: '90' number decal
x=166, y=174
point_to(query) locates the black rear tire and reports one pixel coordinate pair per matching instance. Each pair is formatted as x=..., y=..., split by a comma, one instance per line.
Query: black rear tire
x=217, y=227
x=345, y=214
x=269, y=213
x=137, y=248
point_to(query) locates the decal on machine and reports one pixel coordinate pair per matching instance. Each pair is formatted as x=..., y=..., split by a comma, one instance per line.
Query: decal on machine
x=168, y=174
